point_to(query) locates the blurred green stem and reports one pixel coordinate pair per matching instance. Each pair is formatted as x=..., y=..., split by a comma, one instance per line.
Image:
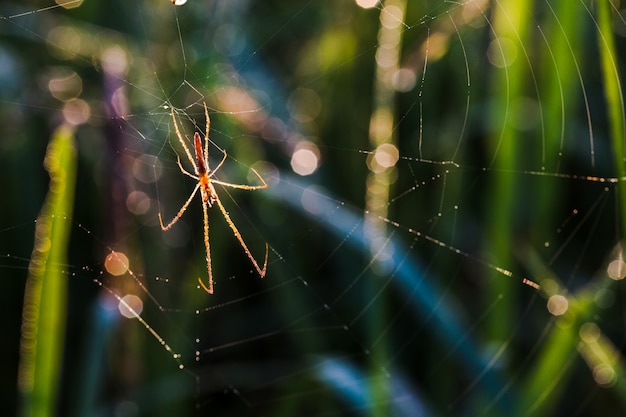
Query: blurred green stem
x=511, y=23
x=45, y=294
x=613, y=94
x=381, y=164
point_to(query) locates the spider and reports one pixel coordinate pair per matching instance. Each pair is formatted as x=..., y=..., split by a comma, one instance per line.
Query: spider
x=205, y=180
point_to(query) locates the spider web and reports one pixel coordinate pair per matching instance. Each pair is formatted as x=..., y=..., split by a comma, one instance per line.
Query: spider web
x=443, y=216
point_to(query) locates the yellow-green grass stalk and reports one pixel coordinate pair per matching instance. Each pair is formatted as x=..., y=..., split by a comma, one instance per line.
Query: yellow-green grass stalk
x=43, y=317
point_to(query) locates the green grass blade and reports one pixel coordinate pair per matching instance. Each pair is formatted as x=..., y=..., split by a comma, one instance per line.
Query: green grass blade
x=511, y=23
x=612, y=91
x=611, y=81
x=43, y=319
x=599, y=352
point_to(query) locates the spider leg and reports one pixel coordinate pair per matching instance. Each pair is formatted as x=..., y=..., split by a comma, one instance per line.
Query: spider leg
x=261, y=271
x=205, y=214
x=180, y=212
x=220, y=164
x=182, y=142
x=184, y=171
x=206, y=134
x=242, y=186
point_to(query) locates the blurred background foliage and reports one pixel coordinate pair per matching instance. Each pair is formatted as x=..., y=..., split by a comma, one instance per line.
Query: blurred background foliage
x=424, y=158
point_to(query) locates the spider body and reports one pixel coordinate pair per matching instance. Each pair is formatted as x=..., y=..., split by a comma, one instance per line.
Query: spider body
x=205, y=180
x=207, y=191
